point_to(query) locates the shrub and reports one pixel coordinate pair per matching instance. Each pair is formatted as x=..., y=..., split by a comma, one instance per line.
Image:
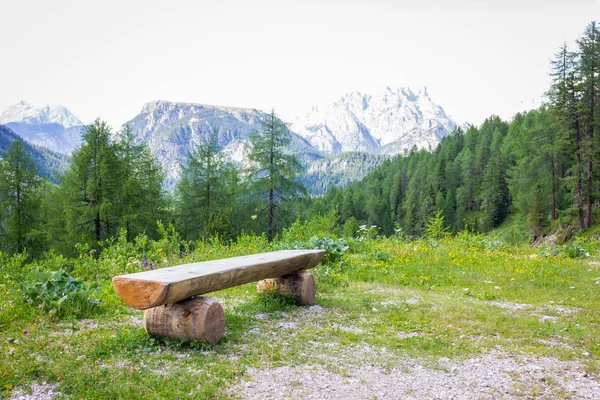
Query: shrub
x=320, y=225
x=12, y=267
x=435, y=226
x=367, y=233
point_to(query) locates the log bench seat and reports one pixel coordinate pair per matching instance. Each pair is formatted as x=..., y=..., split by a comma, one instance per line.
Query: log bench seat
x=168, y=295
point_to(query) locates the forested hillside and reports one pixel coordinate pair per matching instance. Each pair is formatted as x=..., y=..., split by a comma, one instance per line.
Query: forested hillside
x=48, y=163
x=338, y=171
x=542, y=166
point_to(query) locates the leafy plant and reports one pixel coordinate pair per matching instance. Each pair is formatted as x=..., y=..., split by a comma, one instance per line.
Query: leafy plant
x=367, y=233
x=334, y=248
x=60, y=294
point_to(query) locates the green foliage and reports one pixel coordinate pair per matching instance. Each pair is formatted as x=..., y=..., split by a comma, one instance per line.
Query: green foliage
x=334, y=248
x=206, y=191
x=19, y=200
x=59, y=294
x=350, y=228
x=218, y=225
x=436, y=228
x=273, y=174
x=169, y=242
x=109, y=186
x=139, y=201
x=367, y=232
x=581, y=247
x=12, y=267
x=318, y=225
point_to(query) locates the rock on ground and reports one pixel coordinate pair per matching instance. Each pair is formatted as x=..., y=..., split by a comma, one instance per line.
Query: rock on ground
x=43, y=391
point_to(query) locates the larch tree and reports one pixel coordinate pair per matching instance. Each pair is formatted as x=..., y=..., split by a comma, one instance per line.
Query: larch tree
x=203, y=189
x=273, y=176
x=19, y=200
x=589, y=49
x=91, y=186
x=140, y=201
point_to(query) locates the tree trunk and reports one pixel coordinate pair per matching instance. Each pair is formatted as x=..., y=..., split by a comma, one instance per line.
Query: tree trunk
x=97, y=226
x=553, y=190
x=579, y=184
x=270, y=210
x=588, y=211
x=300, y=285
x=199, y=318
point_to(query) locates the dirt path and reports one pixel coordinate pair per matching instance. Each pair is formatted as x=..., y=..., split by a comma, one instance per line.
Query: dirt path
x=492, y=376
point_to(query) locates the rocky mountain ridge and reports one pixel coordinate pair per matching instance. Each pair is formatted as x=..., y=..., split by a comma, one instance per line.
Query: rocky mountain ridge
x=172, y=130
x=390, y=121
x=53, y=127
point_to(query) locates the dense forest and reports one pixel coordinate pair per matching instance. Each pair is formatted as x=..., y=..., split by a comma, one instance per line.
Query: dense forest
x=540, y=169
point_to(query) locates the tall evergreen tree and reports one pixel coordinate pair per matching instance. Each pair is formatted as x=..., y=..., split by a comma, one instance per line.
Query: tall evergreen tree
x=496, y=197
x=203, y=191
x=140, y=199
x=91, y=187
x=589, y=48
x=274, y=172
x=19, y=200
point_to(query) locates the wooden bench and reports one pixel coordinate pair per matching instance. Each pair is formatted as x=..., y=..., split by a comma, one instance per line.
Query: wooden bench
x=167, y=294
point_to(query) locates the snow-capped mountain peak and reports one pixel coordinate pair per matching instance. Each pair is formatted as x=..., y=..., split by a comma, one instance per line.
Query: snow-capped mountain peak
x=391, y=120
x=53, y=127
x=24, y=112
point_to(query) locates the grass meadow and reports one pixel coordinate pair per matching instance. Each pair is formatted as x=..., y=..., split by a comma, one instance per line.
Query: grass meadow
x=379, y=300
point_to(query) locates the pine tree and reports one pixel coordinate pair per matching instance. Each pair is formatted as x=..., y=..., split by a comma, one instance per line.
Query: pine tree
x=274, y=172
x=19, y=200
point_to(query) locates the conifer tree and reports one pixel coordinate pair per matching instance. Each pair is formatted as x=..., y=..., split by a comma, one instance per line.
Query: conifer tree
x=19, y=202
x=140, y=199
x=91, y=187
x=274, y=172
x=202, y=190
x=589, y=48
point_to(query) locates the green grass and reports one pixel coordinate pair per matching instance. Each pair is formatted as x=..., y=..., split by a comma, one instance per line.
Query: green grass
x=386, y=300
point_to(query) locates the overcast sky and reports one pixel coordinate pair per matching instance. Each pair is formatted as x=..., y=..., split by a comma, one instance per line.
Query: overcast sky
x=107, y=58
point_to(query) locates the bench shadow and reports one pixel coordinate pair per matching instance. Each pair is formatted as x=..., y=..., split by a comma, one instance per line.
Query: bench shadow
x=244, y=317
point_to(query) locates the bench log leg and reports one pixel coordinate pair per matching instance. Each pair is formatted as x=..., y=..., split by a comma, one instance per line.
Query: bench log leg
x=198, y=318
x=301, y=285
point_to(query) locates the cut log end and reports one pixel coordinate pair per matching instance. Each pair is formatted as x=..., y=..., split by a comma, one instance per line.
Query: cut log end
x=140, y=295
x=300, y=285
x=198, y=318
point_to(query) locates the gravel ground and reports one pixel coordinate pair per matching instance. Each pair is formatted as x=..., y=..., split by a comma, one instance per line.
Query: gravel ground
x=43, y=391
x=492, y=376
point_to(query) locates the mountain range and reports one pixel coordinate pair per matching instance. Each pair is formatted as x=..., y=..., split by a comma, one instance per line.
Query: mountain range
x=330, y=141
x=173, y=130
x=390, y=121
x=53, y=127
x=48, y=163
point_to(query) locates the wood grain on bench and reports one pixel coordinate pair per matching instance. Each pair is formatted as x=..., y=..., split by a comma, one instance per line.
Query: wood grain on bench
x=149, y=289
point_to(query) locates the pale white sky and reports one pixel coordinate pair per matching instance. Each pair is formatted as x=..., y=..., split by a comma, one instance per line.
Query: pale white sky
x=106, y=58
